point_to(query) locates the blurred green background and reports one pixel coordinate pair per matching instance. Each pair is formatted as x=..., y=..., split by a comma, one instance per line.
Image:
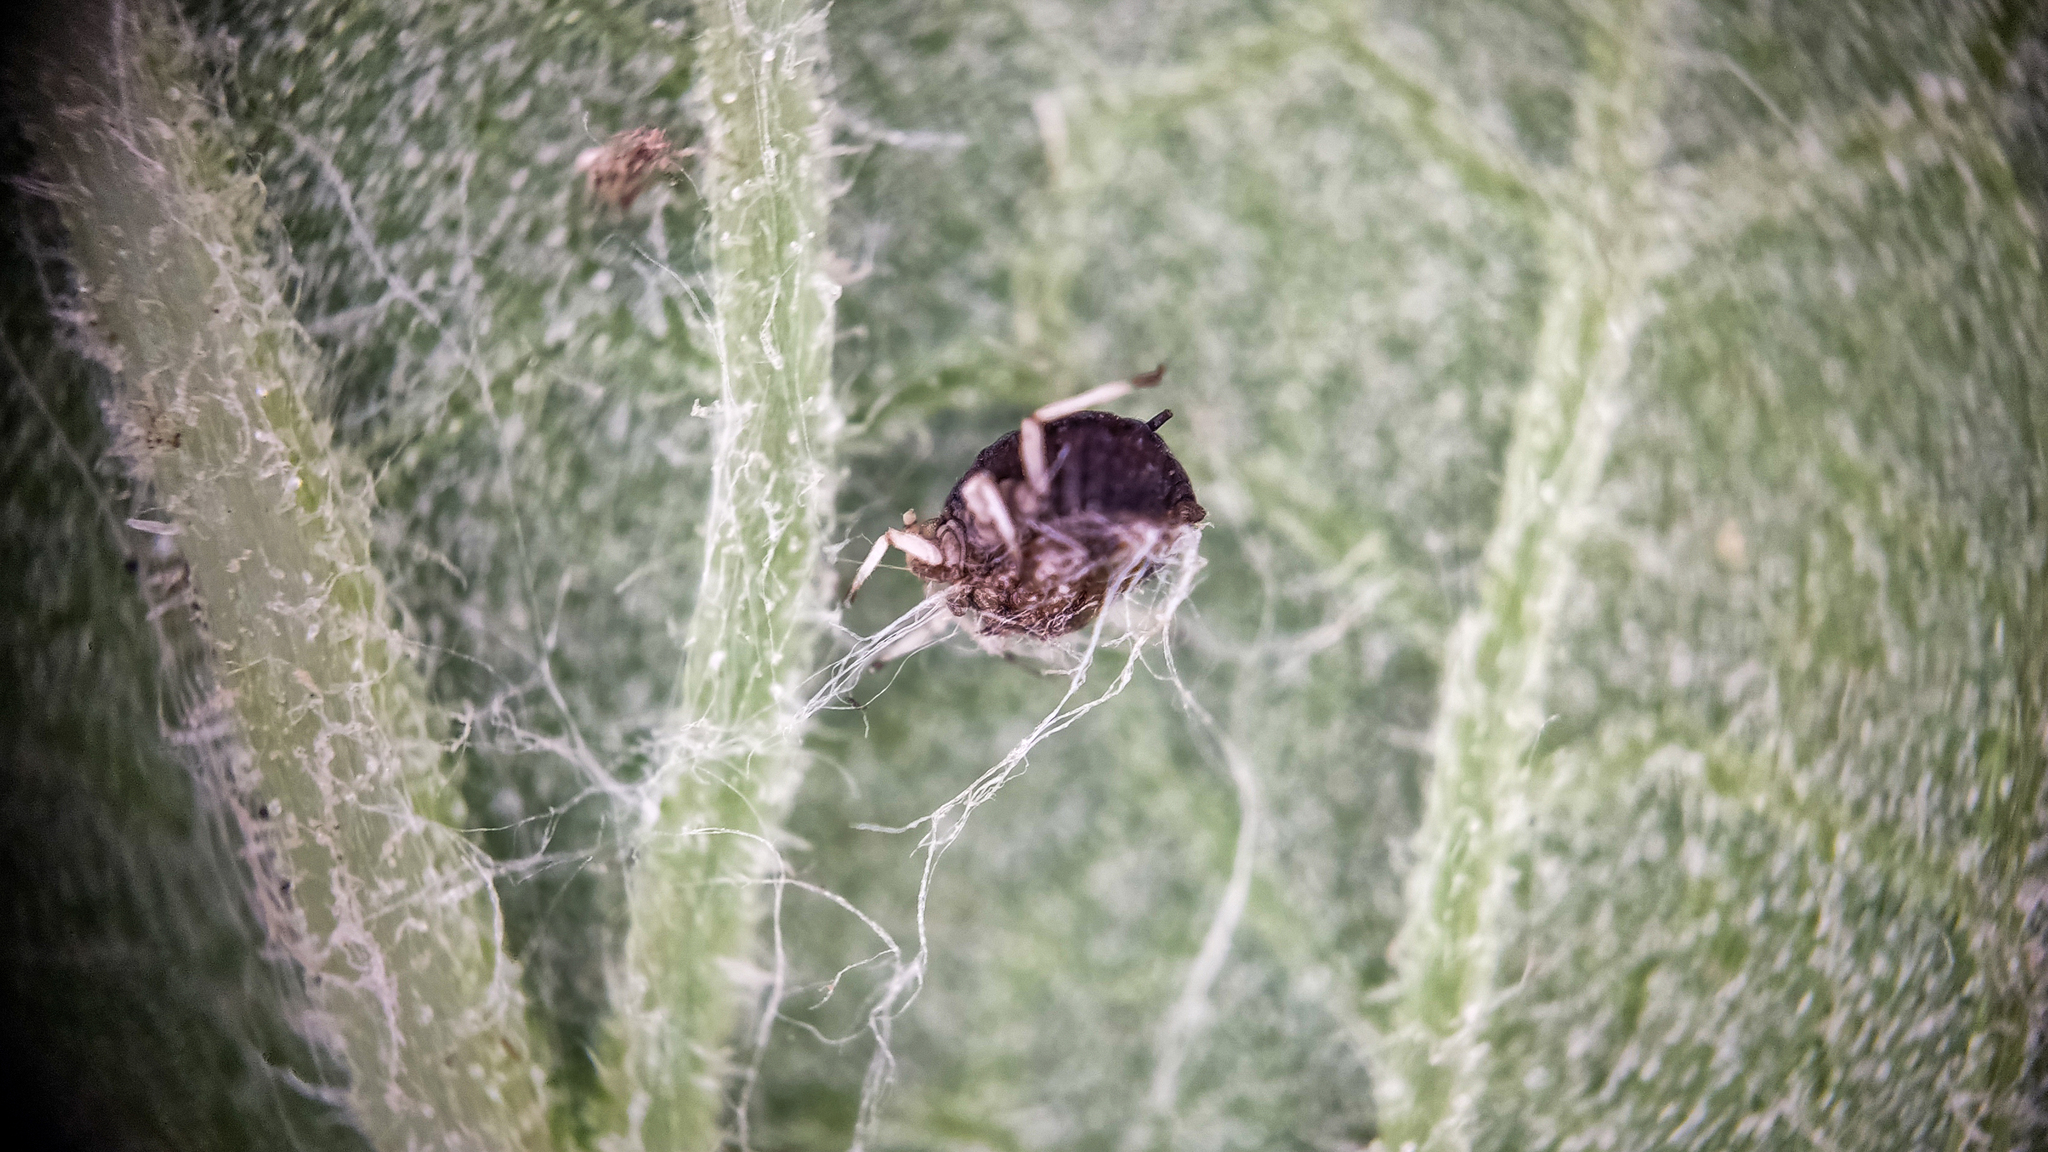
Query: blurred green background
x=1622, y=430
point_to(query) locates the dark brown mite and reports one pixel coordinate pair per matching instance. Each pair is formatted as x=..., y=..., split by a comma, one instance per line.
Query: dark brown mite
x=1053, y=519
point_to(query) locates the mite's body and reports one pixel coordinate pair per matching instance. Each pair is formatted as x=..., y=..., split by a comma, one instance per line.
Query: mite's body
x=1053, y=519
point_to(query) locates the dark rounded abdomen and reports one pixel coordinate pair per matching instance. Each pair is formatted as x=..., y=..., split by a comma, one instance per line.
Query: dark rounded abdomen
x=1100, y=462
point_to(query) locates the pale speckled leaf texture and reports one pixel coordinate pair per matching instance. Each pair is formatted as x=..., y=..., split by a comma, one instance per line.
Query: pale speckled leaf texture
x=1620, y=655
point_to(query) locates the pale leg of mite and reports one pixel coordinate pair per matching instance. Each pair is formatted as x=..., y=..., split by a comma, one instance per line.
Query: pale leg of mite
x=985, y=500
x=1031, y=436
x=911, y=545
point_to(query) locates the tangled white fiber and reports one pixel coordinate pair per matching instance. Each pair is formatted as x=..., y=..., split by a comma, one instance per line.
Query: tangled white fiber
x=1135, y=624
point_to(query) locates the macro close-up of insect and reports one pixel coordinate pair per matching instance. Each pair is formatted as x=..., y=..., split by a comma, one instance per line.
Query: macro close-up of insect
x=1556, y=661
x=1053, y=520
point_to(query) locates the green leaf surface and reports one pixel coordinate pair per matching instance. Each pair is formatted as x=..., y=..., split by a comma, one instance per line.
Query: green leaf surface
x=1619, y=426
x=524, y=368
x=292, y=696
x=133, y=955
x=1609, y=713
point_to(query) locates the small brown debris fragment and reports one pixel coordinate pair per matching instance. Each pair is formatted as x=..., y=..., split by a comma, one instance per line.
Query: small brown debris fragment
x=621, y=168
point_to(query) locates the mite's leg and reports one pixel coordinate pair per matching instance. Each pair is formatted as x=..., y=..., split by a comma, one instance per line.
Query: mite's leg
x=985, y=500
x=916, y=547
x=911, y=544
x=1031, y=436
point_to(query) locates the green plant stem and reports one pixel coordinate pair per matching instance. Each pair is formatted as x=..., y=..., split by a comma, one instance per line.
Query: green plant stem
x=1491, y=710
x=314, y=729
x=735, y=761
